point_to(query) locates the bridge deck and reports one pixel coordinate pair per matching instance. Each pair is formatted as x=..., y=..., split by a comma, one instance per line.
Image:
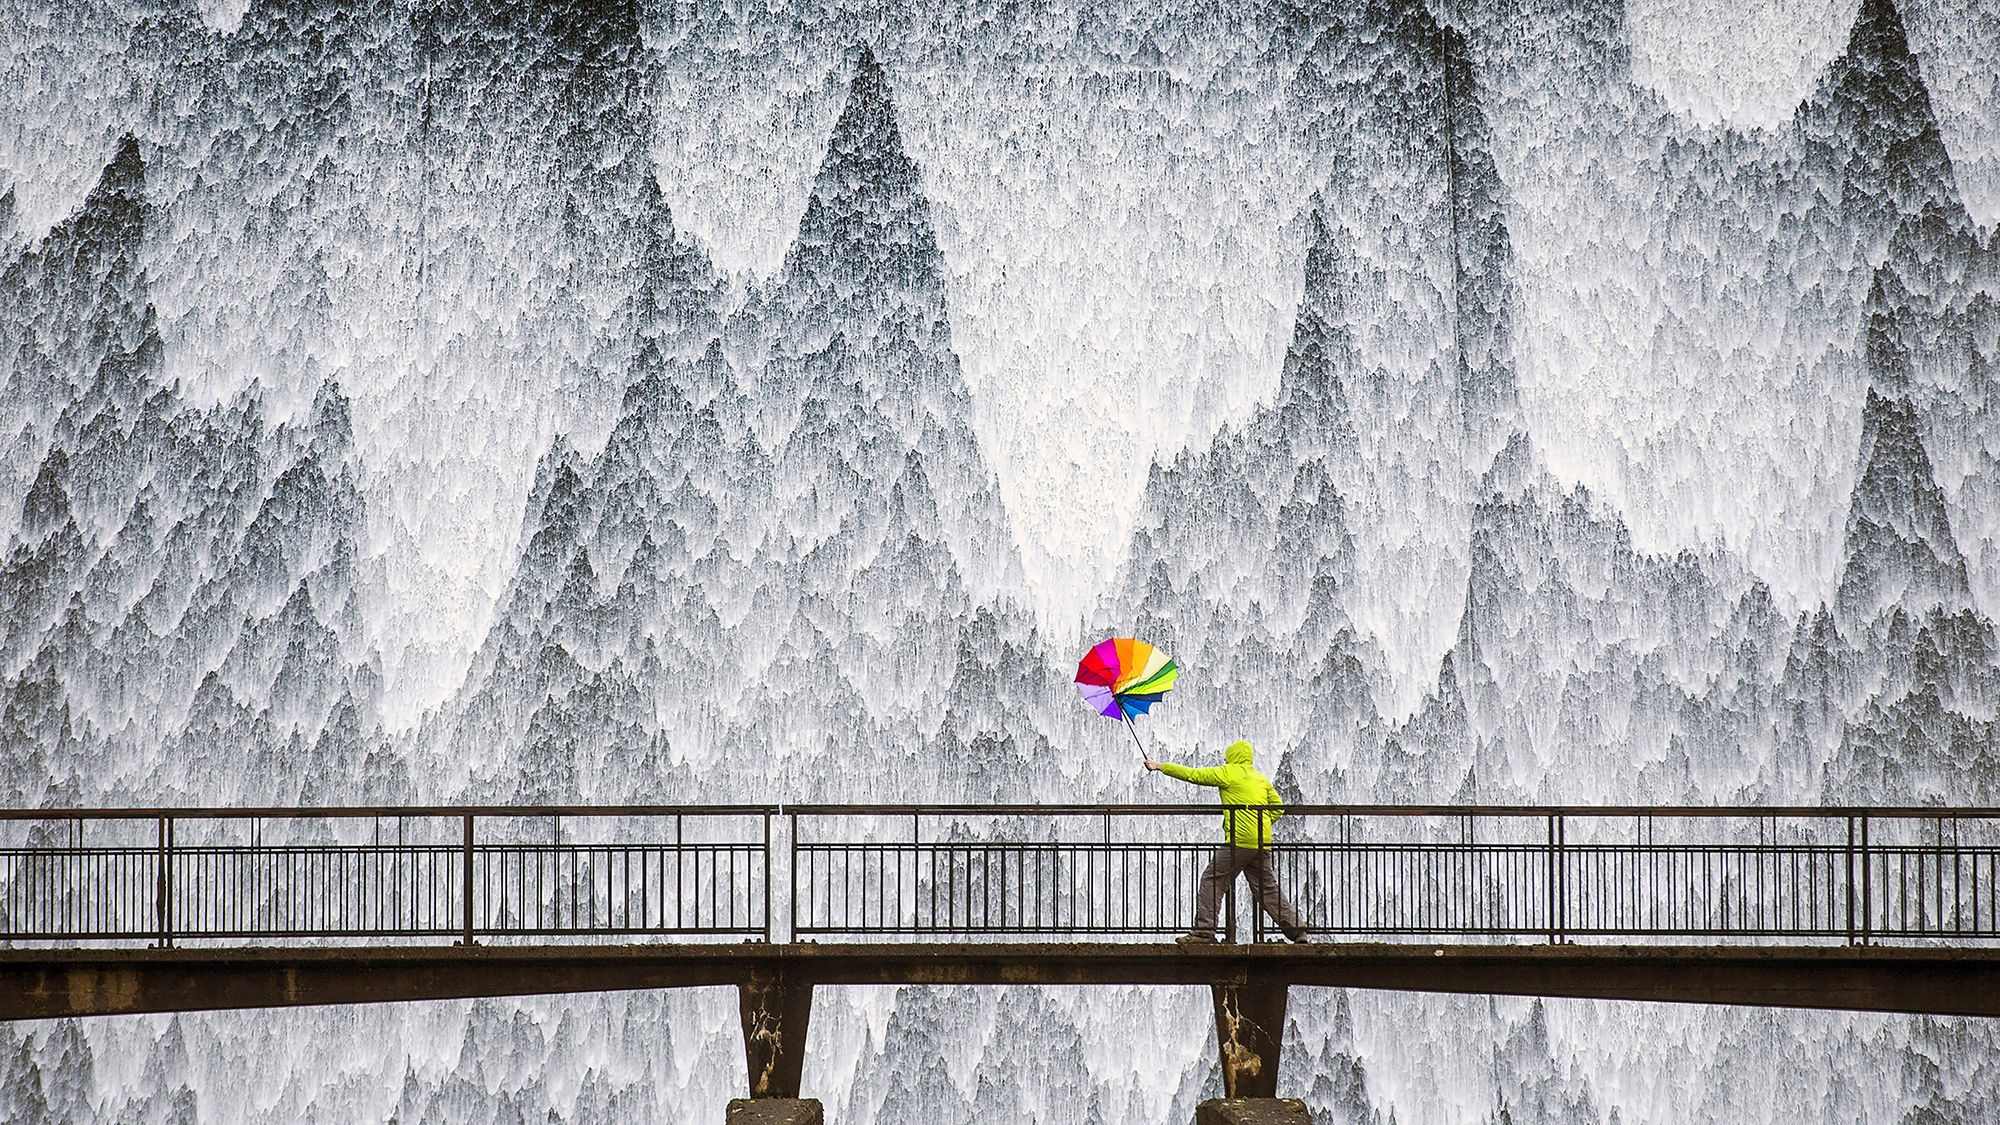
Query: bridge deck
x=75, y=982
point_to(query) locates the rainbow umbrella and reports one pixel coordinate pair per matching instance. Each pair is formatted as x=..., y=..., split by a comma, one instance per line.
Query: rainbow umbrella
x=1121, y=678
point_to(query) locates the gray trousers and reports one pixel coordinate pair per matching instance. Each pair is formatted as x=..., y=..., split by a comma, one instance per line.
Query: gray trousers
x=1255, y=865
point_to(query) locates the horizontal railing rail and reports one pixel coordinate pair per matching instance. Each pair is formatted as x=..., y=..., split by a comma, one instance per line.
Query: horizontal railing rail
x=965, y=872
x=338, y=812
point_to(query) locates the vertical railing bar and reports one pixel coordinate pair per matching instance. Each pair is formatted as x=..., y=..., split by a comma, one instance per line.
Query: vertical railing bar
x=1903, y=895
x=311, y=912
x=1852, y=887
x=1562, y=874
x=1124, y=877
x=159, y=886
x=1552, y=880
x=1867, y=887
x=1941, y=875
x=167, y=912
x=1229, y=899
x=466, y=890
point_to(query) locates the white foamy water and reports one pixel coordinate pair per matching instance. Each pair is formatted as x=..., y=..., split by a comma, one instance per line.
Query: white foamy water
x=1497, y=401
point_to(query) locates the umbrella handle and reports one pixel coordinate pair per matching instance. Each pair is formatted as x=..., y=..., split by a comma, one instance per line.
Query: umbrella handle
x=1135, y=737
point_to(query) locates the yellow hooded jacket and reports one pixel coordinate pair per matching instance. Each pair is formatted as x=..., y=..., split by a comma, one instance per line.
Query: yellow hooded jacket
x=1241, y=784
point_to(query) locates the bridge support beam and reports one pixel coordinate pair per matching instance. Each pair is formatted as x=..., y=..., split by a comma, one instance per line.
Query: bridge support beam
x=44, y=983
x=775, y=1011
x=1249, y=1032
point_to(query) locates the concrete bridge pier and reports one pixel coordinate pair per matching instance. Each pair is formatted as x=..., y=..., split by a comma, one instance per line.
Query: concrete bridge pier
x=1252, y=1111
x=776, y=1012
x=1249, y=1034
x=775, y=1111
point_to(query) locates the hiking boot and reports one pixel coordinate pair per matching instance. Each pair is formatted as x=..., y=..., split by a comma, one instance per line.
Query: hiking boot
x=1300, y=936
x=1195, y=939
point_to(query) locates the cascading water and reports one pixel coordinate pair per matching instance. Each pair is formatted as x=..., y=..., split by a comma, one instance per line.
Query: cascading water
x=1491, y=400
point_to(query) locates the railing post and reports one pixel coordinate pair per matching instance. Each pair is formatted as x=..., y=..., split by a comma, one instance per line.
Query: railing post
x=466, y=897
x=792, y=824
x=1867, y=887
x=163, y=885
x=767, y=878
x=1555, y=929
x=1852, y=882
x=1562, y=871
x=1256, y=905
x=253, y=913
x=1957, y=877
x=1229, y=897
x=556, y=861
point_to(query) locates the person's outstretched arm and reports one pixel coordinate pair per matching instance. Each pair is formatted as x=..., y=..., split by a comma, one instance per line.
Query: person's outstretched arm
x=1194, y=775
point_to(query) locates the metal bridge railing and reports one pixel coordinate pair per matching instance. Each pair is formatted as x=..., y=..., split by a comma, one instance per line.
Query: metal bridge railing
x=1059, y=872
x=1393, y=873
x=1653, y=874
x=465, y=874
x=1116, y=872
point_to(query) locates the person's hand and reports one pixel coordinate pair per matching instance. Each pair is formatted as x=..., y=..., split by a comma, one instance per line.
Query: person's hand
x=1152, y=765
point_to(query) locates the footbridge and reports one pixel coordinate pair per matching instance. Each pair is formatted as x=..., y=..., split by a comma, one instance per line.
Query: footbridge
x=107, y=911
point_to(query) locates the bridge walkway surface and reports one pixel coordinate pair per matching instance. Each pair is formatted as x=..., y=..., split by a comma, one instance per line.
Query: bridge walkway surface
x=109, y=911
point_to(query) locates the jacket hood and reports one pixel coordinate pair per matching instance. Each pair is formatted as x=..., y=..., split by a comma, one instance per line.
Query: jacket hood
x=1238, y=753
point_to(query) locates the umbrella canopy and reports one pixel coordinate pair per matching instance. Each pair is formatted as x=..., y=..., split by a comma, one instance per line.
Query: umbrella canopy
x=1121, y=677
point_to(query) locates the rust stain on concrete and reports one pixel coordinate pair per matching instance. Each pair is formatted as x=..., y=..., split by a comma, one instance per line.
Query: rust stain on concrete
x=102, y=990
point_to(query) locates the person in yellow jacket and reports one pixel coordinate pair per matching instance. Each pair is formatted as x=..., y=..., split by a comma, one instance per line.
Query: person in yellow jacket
x=1247, y=842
